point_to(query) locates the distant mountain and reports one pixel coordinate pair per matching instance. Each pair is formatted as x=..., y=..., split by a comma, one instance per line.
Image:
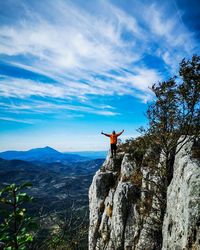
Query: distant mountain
x=46, y=154
x=92, y=154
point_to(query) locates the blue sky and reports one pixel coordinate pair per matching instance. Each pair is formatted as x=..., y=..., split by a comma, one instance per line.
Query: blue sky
x=70, y=69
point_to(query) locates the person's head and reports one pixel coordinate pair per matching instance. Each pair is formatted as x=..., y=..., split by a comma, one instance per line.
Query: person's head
x=113, y=132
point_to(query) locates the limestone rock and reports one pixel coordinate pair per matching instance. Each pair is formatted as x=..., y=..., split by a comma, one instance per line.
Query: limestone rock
x=126, y=206
x=127, y=168
x=181, y=226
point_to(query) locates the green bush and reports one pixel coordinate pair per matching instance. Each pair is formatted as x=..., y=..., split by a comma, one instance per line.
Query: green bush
x=16, y=226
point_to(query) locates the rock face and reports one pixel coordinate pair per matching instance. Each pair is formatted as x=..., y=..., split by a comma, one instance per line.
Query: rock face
x=126, y=210
x=181, y=227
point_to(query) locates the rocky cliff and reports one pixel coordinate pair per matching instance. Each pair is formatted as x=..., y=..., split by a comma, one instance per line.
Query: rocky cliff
x=130, y=209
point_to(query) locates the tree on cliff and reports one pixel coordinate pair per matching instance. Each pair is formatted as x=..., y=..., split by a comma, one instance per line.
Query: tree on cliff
x=175, y=112
x=174, y=118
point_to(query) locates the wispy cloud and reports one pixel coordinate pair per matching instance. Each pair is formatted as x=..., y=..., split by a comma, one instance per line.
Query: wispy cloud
x=17, y=120
x=91, y=53
x=60, y=107
x=175, y=40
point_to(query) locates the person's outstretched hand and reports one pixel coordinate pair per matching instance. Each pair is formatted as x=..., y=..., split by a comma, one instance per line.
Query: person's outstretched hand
x=102, y=132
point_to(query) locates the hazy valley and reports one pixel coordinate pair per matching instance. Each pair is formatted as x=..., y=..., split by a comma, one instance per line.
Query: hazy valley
x=53, y=182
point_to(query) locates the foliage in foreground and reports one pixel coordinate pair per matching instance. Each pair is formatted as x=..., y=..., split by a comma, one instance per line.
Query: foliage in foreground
x=66, y=230
x=16, y=228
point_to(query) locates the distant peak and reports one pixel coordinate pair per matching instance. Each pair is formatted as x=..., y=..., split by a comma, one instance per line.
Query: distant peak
x=47, y=147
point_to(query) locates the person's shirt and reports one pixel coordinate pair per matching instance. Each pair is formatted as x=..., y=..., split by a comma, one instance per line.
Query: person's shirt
x=113, y=138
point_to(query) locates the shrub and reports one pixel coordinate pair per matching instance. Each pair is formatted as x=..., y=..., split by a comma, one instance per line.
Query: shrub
x=16, y=227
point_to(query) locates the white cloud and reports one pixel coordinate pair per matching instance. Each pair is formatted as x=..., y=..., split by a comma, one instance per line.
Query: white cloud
x=67, y=110
x=116, y=85
x=71, y=44
x=78, y=41
x=175, y=40
x=17, y=120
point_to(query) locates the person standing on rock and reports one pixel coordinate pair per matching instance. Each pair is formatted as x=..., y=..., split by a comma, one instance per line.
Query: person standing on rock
x=113, y=141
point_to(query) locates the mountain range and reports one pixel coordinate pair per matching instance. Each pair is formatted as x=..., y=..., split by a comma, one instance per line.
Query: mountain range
x=48, y=154
x=58, y=179
x=60, y=183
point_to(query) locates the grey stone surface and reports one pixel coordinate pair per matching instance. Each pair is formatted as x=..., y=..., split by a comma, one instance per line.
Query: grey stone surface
x=123, y=216
x=127, y=168
x=181, y=226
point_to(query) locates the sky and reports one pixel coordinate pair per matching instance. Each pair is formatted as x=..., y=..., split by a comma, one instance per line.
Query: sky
x=71, y=69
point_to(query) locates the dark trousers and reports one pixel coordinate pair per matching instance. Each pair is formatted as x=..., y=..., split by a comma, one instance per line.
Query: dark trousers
x=113, y=148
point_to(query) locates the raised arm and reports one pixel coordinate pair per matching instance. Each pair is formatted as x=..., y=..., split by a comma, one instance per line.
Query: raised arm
x=105, y=134
x=120, y=132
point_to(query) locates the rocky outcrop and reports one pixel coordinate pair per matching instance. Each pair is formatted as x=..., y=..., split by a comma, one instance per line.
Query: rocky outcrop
x=120, y=214
x=181, y=227
x=126, y=204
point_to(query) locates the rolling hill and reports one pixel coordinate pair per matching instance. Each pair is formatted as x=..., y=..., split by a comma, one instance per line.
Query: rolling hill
x=46, y=154
x=53, y=183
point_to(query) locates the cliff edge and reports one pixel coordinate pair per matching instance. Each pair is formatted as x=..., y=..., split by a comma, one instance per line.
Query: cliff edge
x=127, y=200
